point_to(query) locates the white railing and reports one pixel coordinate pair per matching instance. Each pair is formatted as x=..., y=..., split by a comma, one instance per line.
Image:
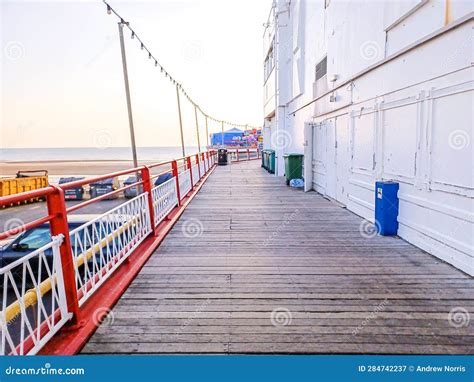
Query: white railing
x=202, y=167
x=195, y=170
x=34, y=303
x=102, y=244
x=184, y=180
x=165, y=198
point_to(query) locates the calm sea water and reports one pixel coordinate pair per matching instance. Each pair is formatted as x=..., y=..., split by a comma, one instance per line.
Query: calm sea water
x=92, y=153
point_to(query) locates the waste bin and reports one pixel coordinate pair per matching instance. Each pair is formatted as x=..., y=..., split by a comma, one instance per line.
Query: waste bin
x=222, y=157
x=105, y=186
x=293, y=167
x=132, y=191
x=271, y=161
x=262, y=158
x=386, y=208
x=72, y=193
x=163, y=178
x=265, y=159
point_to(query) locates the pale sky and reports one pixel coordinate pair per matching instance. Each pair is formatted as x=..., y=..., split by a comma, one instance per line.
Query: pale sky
x=61, y=71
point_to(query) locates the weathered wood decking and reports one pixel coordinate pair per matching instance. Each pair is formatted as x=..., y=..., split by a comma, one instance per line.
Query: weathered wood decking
x=253, y=266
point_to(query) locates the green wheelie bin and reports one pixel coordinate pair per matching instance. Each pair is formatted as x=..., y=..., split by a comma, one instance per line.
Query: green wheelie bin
x=293, y=166
x=271, y=161
x=265, y=159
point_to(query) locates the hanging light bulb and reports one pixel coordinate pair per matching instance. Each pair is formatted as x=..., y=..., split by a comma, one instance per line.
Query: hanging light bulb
x=156, y=63
x=133, y=35
x=142, y=46
x=109, y=10
x=149, y=55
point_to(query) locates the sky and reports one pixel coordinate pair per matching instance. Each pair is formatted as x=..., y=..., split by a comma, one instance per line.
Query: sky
x=62, y=81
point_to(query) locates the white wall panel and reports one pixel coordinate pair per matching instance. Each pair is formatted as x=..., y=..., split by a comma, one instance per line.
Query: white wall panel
x=452, y=139
x=399, y=141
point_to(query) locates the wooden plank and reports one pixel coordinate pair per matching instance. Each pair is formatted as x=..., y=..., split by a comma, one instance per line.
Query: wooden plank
x=263, y=248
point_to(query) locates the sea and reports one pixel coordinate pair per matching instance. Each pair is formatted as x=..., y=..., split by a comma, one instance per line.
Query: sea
x=93, y=153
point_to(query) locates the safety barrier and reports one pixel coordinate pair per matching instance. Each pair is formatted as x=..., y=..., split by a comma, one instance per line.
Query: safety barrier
x=34, y=305
x=102, y=244
x=165, y=198
x=49, y=287
x=243, y=154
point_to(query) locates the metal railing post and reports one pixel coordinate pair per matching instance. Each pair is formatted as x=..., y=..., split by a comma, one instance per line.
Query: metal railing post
x=145, y=175
x=174, y=169
x=248, y=154
x=198, y=166
x=203, y=158
x=188, y=162
x=59, y=226
x=237, y=154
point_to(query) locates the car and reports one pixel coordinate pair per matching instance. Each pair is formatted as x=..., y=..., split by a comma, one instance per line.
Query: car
x=39, y=236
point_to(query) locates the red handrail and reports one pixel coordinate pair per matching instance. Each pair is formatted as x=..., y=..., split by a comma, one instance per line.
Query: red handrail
x=57, y=214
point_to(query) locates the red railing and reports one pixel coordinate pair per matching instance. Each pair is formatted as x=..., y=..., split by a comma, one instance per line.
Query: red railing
x=243, y=154
x=138, y=212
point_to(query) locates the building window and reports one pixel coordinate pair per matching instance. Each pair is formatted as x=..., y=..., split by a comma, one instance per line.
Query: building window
x=269, y=63
x=321, y=68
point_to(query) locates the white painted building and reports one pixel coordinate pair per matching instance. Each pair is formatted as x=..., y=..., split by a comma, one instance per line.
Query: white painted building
x=379, y=90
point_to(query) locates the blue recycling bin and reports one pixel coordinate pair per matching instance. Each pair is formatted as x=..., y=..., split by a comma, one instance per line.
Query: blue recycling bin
x=386, y=207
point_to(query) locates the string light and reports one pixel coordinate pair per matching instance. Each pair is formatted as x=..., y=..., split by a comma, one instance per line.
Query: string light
x=180, y=87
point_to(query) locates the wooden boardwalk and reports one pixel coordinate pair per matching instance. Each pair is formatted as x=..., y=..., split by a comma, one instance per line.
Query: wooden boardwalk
x=254, y=266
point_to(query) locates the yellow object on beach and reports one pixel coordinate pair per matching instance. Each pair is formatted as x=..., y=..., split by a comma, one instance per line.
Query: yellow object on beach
x=23, y=183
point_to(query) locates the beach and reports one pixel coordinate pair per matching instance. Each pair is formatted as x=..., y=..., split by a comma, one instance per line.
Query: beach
x=69, y=167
